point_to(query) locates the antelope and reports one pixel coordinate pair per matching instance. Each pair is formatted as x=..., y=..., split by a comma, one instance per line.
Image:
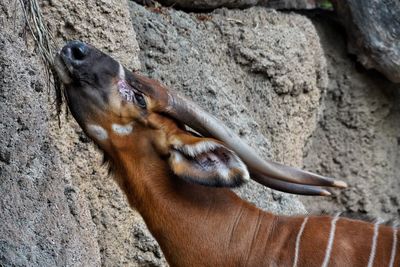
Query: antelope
x=180, y=179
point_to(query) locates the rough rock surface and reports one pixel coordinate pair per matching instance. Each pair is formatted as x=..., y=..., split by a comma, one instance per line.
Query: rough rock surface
x=123, y=239
x=358, y=135
x=59, y=207
x=104, y=24
x=212, y=4
x=258, y=70
x=373, y=27
x=44, y=217
x=373, y=30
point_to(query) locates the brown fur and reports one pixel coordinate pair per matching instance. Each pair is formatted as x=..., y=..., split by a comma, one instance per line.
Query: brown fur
x=196, y=225
x=202, y=226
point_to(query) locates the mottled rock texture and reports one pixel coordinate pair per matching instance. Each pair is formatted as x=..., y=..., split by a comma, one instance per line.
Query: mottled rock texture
x=358, y=135
x=373, y=31
x=373, y=27
x=58, y=205
x=123, y=239
x=212, y=4
x=102, y=23
x=44, y=217
x=259, y=70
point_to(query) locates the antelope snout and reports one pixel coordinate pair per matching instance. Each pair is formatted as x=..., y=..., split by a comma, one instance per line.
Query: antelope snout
x=75, y=52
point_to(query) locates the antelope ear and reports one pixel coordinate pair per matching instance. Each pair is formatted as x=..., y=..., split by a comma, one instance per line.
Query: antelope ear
x=206, y=161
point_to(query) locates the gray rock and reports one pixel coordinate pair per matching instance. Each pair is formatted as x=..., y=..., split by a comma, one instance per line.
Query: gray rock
x=373, y=30
x=104, y=24
x=258, y=70
x=212, y=4
x=123, y=239
x=44, y=218
x=373, y=27
x=358, y=135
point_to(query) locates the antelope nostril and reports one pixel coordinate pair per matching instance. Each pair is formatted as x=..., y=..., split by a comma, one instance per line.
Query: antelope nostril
x=78, y=51
x=75, y=51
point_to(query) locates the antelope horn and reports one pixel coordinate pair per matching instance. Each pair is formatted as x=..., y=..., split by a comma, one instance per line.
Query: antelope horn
x=299, y=189
x=265, y=171
x=189, y=113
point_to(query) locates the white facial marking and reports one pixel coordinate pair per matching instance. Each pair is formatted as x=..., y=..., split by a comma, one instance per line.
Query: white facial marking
x=394, y=245
x=122, y=129
x=298, y=239
x=97, y=132
x=121, y=72
x=330, y=241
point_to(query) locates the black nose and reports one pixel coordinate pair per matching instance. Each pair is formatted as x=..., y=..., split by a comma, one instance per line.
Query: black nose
x=75, y=51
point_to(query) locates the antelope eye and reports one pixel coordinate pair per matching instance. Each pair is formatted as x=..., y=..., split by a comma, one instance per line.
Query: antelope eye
x=140, y=100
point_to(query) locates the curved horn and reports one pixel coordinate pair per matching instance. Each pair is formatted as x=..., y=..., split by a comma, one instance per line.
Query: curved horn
x=189, y=113
x=192, y=115
x=292, y=188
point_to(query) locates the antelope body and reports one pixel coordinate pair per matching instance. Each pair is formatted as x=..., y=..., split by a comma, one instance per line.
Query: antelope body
x=179, y=181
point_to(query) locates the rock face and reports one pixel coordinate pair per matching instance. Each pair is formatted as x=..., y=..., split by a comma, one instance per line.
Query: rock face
x=373, y=27
x=373, y=30
x=258, y=70
x=104, y=24
x=212, y=4
x=58, y=206
x=44, y=218
x=358, y=135
x=122, y=239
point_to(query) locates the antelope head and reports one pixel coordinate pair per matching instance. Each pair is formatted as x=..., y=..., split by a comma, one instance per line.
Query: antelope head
x=121, y=110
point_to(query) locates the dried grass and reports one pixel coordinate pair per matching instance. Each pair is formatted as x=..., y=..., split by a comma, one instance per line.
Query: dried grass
x=44, y=42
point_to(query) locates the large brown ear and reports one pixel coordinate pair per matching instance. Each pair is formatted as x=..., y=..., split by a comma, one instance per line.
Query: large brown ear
x=206, y=161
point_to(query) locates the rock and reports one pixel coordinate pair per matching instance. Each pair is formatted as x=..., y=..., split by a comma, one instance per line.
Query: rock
x=211, y=4
x=58, y=206
x=262, y=76
x=104, y=24
x=357, y=137
x=258, y=70
x=373, y=30
x=45, y=220
x=373, y=27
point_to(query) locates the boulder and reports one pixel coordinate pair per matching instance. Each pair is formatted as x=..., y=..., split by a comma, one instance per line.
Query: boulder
x=259, y=70
x=373, y=32
x=262, y=76
x=211, y=4
x=358, y=135
x=44, y=217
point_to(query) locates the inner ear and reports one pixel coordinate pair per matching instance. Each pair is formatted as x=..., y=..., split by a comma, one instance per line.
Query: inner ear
x=207, y=162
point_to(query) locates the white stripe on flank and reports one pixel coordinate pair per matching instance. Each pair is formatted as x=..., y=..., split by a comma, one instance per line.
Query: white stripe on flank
x=298, y=238
x=330, y=241
x=394, y=246
x=373, y=246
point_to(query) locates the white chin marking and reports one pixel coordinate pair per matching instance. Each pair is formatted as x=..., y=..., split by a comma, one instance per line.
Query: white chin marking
x=97, y=132
x=122, y=129
x=121, y=72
